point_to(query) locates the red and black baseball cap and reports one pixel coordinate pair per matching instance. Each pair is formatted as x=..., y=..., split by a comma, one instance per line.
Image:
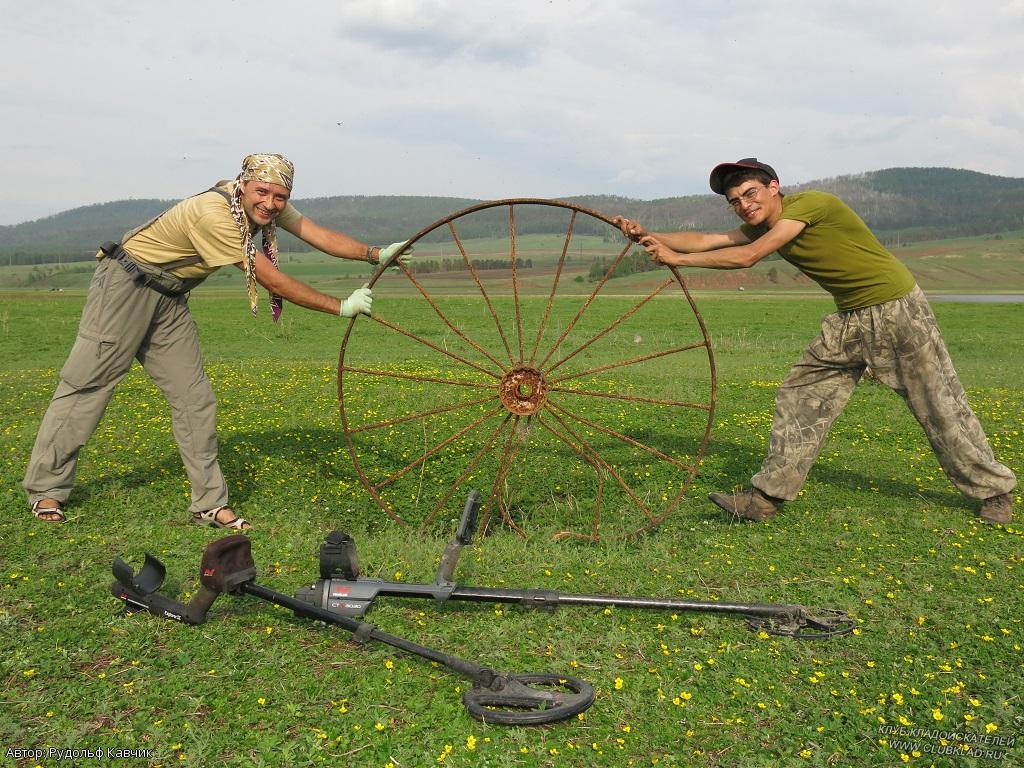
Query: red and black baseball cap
x=722, y=170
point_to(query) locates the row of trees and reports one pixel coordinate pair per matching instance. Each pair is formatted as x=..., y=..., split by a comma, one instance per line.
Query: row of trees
x=431, y=266
x=631, y=264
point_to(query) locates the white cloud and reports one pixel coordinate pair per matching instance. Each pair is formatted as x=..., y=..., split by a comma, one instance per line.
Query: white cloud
x=494, y=99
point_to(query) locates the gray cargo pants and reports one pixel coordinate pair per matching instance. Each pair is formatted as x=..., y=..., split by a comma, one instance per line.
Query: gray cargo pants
x=123, y=321
x=901, y=343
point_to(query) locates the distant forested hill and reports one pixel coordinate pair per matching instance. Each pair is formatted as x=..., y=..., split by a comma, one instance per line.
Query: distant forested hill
x=941, y=202
x=900, y=204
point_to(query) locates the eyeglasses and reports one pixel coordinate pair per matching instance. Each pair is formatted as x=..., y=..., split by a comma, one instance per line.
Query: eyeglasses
x=745, y=197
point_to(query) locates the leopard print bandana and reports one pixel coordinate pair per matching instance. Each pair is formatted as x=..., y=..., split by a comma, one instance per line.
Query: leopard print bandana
x=272, y=169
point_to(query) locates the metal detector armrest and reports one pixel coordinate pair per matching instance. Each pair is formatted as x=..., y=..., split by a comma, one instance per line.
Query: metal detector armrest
x=463, y=536
x=338, y=557
x=467, y=525
x=138, y=591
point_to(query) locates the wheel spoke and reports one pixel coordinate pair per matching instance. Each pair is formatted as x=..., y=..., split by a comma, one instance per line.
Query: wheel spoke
x=554, y=288
x=483, y=292
x=619, y=436
x=595, y=523
x=597, y=457
x=624, y=363
x=469, y=468
x=444, y=318
x=435, y=347
x=423, y=414
x=613, y=325
x=586, y=304
x=589, y=459
x=630, y=398
x=431, y=451
x=413, y=377
x=515, y=280
x=508, y=453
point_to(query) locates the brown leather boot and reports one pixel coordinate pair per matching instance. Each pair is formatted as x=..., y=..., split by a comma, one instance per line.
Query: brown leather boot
x=997, y=509
x=750, y=504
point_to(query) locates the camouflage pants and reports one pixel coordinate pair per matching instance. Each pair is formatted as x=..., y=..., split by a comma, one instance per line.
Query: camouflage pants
x=900, y=341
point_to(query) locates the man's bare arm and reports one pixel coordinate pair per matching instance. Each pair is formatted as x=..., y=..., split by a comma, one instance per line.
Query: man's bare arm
x=730, y=257
x=682, y=242
x=698, y=242
x=328, y=240
x=295, y=291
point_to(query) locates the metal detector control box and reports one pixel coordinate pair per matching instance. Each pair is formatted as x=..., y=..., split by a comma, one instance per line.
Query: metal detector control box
x=342, y=590
x=354, y=598
x=349, y=598
x=341, y=596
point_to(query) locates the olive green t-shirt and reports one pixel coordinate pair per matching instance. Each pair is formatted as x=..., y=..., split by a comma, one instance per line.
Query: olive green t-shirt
x=201, y=225
x=838, y=251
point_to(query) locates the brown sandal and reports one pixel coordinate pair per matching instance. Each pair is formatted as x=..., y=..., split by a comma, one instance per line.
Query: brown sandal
x=209, y=517
x=51, y=513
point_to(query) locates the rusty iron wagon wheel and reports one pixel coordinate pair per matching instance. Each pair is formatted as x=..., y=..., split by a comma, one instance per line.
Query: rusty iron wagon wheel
x=532, y=351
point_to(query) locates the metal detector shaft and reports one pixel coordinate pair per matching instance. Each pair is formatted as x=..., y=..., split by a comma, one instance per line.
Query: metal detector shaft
x=539, y=598
x=785, y=619
x=364, y=631
x=354, y=597
x=359, y=593
x=341, y=591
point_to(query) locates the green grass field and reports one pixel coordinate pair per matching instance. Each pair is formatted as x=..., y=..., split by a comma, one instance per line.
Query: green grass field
x=877, y=532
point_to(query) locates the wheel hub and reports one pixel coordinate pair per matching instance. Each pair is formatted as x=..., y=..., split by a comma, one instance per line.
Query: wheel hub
x=523, y=391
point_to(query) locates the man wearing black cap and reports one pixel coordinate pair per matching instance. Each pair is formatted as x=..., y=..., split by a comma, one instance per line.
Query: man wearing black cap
x=884, y=322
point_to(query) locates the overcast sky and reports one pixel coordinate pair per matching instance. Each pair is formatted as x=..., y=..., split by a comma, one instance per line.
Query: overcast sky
x=112, y=99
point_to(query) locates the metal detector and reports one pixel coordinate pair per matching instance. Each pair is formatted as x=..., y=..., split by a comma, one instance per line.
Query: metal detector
x=501, y=698
x=342, y=591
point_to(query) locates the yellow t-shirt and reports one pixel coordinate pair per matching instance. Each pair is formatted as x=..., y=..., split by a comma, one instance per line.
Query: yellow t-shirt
x=201, y=225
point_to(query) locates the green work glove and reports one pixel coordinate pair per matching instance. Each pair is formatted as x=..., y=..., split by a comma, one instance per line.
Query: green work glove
x=358, y=303
x=391, y=250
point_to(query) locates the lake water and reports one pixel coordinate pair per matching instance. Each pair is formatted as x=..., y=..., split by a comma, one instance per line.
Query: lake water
x=980, y=298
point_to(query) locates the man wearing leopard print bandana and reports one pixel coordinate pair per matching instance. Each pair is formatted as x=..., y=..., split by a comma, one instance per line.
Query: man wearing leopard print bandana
x=137, y=308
